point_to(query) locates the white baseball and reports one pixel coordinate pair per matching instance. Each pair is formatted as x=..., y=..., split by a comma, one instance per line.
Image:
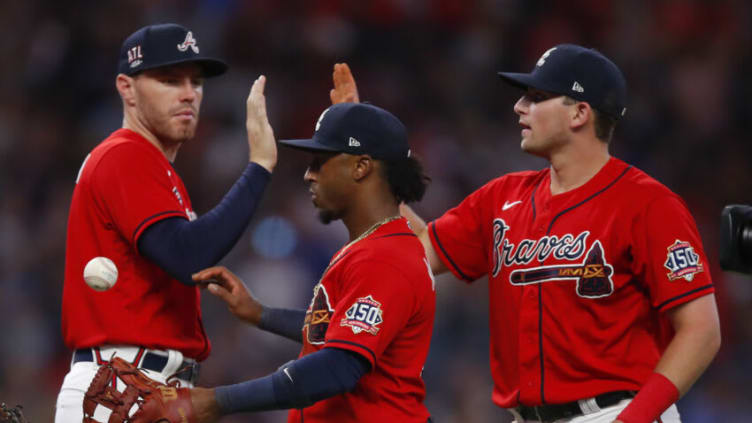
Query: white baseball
x=100, y=273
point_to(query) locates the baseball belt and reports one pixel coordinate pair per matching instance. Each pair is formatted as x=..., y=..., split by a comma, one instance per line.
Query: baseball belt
x=150, y=361
x=552, y=412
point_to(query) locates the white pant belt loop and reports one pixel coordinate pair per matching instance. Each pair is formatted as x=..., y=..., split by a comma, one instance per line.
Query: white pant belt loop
x=588, y=406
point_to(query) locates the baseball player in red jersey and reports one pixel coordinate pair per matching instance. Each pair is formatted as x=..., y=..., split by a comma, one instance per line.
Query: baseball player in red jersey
x=601, y=300
x=367, y=330
x=598, y=282
x=130, y=206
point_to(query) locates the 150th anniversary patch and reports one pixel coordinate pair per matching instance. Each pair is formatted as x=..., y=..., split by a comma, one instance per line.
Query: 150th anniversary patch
x=682, y=261
x=363, y=316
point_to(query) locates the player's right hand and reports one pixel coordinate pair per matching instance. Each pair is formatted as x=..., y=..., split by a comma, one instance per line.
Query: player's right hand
x=260, y=133
x=345, y=90
x=226, y=285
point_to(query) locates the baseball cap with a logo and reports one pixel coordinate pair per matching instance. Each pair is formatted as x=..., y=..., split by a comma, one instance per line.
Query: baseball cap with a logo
x=357, y=128
x=581, y=73
x=160, y=45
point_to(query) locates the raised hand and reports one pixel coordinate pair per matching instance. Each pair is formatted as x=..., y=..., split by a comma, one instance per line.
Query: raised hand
x=231, y=289
x=260, y=133
x=345, y=90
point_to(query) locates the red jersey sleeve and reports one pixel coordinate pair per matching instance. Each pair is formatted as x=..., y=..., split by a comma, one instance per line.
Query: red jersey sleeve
x=458, y=237
x=134, y=189
x=669, y=255
x=374, y=306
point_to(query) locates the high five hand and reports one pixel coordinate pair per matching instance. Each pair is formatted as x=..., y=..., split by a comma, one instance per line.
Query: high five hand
x=345, y=90
x=260, y=133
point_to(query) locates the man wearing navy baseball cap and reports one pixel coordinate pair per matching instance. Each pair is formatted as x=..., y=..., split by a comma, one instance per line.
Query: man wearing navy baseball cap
x=130, y=205
x=580, y=73
x=602, y=300
x=366, y=333
x=576, y=75
x=161, y=45
x=369, y=138
x=356, y=128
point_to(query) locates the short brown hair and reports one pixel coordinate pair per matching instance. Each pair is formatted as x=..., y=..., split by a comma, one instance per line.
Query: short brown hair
x=604, y=123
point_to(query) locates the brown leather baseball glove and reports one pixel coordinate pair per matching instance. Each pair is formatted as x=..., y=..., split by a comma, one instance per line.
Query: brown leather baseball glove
x=154, y=401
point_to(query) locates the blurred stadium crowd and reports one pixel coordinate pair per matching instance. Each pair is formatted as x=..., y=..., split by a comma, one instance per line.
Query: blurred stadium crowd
x=431, y=62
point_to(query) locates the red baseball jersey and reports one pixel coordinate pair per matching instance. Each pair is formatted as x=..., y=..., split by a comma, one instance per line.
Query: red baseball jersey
x=579, y=282
x=377, y=299
x=125, y=185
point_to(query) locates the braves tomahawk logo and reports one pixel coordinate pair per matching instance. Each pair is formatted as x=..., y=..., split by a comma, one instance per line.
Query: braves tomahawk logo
x=189, y=42
x=682, y=261
x=318, y=315
x=593, y=274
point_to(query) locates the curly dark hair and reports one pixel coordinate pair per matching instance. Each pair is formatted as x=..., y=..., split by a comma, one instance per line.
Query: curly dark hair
x=406, y=179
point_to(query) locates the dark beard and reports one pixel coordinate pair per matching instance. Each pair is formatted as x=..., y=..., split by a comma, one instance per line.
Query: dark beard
x=327, y=216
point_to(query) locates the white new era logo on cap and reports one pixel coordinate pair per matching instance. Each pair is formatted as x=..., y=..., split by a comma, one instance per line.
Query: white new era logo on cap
x=353, y=142
x=577, y=87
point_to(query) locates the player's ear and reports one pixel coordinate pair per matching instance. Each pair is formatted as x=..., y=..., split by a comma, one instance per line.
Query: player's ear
x=363, y=166
x=581, y=114
x=126, y=88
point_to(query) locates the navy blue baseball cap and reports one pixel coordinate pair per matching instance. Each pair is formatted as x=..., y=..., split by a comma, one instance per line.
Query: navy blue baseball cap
x=160, y=45
x=581, y=73
x=357, y=128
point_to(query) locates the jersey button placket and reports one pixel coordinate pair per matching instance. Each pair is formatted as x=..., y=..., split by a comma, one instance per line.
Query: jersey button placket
x=541, y=222
x=528, y=344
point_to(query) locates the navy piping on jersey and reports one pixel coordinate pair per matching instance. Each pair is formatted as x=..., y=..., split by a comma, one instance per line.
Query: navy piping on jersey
x=587, y=199
x=337, y=261
x=540, y=286
x=150, y=218
x=540, y=338
x=341, y=341
x=661, y=305
x=540, y=301
x=532, y=198
x=441, y=247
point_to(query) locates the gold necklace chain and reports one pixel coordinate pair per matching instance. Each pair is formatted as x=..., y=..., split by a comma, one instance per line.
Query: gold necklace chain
x=368, y=231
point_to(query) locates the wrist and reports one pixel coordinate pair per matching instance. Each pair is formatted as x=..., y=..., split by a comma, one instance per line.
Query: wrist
x=205, y=406
x=656, y=395
x=268, y=164
x=260, y=317
x=256, y=316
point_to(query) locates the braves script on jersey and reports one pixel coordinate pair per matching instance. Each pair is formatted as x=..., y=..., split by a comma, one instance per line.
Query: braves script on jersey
x=377, y=299
x=125, y=185
x=579, y=282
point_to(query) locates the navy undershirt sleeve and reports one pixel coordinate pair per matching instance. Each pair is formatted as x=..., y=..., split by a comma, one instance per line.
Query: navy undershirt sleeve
x=283, y=322
x=182, y=247
x=298, y=384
